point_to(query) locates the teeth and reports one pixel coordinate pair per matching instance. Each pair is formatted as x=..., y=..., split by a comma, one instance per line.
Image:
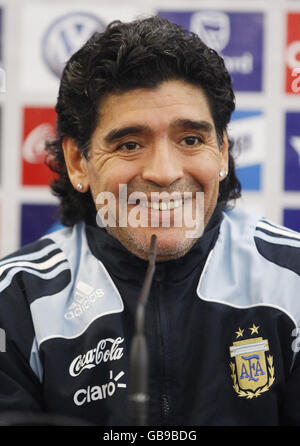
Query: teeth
x=162, y=205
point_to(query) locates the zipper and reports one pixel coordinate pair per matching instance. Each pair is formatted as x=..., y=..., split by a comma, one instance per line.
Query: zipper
x=165, y=402
x=165, y=408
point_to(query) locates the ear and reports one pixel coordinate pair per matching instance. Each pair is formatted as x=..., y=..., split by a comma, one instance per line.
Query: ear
x=76, y=165
x=224, y=157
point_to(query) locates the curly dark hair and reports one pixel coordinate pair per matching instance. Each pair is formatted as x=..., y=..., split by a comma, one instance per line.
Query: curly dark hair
x=139, y=54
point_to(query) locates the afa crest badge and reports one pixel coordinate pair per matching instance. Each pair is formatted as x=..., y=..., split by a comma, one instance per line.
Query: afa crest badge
x=252, y=370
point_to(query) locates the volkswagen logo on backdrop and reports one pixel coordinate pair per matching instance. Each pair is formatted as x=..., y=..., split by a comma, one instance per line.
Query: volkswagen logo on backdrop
x=65, y=36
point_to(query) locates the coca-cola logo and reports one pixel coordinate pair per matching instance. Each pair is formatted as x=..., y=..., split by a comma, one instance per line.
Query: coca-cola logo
x=106, y=350
x=34, y=145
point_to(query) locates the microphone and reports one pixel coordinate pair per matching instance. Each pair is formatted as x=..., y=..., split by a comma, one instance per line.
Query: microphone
x=138, y=360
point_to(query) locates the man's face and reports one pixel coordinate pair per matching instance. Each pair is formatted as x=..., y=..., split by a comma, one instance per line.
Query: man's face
x=156, y=140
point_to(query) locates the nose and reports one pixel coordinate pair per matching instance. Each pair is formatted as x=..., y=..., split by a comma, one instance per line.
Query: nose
x=163, y=166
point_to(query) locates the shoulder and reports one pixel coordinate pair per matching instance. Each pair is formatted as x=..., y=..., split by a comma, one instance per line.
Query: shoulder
x=256, y=263
x=274, y=243
x=33, y=267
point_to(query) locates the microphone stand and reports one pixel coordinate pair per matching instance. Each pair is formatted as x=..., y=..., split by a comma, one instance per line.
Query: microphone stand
x=138, y=360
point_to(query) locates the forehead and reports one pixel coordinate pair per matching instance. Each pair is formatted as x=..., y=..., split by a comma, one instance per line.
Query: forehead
x=160, y=106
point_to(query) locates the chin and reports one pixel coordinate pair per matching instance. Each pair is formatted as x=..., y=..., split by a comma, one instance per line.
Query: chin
x=171, y=243
x=168, y=251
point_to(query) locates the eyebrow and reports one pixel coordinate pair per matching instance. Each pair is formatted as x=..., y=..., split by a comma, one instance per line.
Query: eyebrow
x=193, y=125
x=116, y=134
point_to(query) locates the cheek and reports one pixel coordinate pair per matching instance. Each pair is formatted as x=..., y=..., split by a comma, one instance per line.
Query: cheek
x=125, y=171
x=206, y=172
x=113, y=173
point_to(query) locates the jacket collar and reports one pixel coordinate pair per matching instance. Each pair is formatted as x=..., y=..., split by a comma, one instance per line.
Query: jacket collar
x=127, y=266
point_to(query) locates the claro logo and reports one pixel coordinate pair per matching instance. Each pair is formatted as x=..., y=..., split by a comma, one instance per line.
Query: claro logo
x=107, y=350
x=101, y=392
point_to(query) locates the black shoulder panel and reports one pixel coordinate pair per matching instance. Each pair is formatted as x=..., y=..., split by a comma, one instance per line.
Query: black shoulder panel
x=282, y=255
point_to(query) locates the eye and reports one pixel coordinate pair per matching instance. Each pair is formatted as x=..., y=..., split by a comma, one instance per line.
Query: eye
x=191, y=141
x=129, y=146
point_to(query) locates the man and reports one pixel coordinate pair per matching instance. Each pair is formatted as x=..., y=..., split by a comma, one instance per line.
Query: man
x=142, y=110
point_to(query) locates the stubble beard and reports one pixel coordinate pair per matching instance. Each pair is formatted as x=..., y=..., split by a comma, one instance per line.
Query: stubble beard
x=139, y=245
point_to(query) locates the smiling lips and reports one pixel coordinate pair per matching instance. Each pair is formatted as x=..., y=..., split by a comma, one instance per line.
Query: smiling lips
x=162, y=204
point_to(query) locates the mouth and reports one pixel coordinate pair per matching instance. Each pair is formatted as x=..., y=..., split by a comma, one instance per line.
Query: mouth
x=175, y=201
x=162, y=205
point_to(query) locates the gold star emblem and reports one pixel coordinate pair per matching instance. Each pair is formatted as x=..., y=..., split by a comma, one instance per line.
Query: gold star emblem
x=254, y=329
x=239, y=333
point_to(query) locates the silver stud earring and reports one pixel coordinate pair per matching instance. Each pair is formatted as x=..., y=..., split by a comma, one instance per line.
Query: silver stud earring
x=79, y=186
x=222, y=173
